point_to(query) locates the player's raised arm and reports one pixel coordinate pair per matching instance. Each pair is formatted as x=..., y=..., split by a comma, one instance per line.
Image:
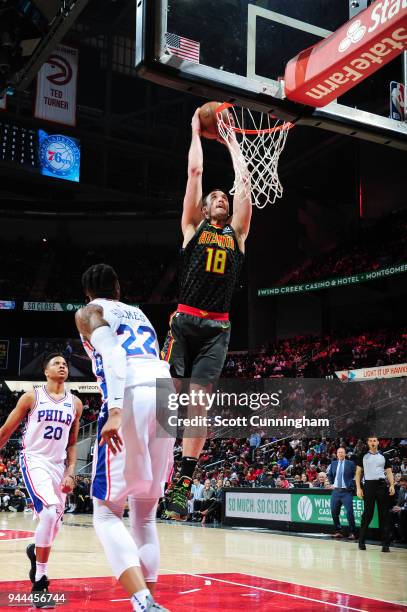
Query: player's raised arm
x=16, y=416
x=94, y=328
x=192, y=210
x=242, y=201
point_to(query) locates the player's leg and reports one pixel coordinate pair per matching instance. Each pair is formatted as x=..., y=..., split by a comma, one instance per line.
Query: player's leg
x=209, y=342
x=143, y=526
x=113, y=475
x=156, y=448
x=47, y=529
x=42, y=481
x=175, y=350
x=121, y=550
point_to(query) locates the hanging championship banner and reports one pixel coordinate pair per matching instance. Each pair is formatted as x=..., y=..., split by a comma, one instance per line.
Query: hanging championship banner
x=56, y=87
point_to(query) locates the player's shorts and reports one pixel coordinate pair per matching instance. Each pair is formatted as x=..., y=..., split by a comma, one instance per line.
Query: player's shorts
x=42, y=479
x=143, y=466
x=196, y=347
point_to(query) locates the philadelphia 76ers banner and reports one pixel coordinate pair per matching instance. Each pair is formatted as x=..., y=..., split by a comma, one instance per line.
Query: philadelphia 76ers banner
x=56, y=87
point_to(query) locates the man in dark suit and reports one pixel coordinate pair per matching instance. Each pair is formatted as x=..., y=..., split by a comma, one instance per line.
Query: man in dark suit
x=341, y=475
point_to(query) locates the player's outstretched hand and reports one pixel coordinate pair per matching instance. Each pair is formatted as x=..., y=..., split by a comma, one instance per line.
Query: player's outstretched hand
x=196, y=122
x=110, y=432
x=359, y=493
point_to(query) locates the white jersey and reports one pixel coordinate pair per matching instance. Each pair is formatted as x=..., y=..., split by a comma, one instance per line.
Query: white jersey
x=48, y=426
x=139, y=340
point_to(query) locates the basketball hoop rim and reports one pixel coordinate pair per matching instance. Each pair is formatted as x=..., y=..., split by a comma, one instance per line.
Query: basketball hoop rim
x=225, y=105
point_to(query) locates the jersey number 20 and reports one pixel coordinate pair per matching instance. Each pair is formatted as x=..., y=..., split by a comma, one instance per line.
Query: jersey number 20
x=53, y=433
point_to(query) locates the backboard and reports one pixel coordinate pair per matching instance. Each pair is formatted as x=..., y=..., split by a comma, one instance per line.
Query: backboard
x=236, y=51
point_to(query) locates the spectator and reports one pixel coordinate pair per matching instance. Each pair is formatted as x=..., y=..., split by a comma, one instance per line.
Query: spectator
x=321, y=482
x=254, y=441
x=399, y=511
x=194, y=504
x=18, y=501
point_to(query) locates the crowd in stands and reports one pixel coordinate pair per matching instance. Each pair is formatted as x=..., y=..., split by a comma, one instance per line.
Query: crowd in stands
x=379, y=246
x=312, y=357
x=33, y=270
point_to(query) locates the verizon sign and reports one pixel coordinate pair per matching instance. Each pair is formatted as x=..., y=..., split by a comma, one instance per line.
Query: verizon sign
x=320, y=74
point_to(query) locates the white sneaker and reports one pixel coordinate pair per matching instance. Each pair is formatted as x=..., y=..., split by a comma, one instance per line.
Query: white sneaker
x=153, y=606
x=12, y=509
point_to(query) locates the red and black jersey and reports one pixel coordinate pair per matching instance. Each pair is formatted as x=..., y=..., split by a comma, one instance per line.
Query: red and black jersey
x=210, y=268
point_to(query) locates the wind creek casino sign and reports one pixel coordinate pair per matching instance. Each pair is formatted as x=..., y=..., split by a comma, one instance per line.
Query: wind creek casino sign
x=303, y=507
x=338, y=281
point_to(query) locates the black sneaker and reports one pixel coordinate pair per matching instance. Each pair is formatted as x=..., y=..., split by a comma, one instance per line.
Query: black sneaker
x=362, y=546
x=385, y=549
x=39, y=588
x=30, y=550
x=178, y=503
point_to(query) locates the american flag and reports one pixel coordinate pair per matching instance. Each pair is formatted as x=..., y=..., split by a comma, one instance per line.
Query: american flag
x=182, y=47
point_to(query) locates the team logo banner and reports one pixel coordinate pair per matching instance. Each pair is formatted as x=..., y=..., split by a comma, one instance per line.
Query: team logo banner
x=56, y=87
x=59, y=156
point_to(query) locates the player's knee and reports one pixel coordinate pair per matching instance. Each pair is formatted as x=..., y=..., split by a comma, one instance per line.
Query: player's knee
x=45, y=533
x=105, y=511
x=49, y=514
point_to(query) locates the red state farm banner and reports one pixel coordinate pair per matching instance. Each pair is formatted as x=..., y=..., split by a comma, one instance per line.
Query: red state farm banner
x=320, y=74
x=56, y=87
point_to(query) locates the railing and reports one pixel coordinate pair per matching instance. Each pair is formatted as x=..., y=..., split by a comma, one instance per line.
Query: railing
x=258, y=448
x=85, y=470
x=88, y=430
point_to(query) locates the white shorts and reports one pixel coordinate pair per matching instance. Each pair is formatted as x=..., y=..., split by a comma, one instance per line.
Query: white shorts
x=43, y=480
x=142, y=467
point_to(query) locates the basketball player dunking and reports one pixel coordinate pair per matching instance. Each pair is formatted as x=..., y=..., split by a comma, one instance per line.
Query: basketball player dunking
x=212, y=254
x=47, y=459
x=130, y=461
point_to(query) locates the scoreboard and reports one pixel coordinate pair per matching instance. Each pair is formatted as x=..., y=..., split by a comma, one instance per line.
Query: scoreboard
x=54, y=155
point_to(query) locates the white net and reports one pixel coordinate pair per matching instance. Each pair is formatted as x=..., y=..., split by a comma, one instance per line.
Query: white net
x=261, y=139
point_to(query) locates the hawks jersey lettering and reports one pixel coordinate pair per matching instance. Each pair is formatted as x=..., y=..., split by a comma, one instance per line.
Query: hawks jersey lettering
x=48, y=426
x=138, y=339
x=211, y=264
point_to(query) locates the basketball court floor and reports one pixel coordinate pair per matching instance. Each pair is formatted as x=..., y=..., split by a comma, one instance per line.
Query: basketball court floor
x=204, y=568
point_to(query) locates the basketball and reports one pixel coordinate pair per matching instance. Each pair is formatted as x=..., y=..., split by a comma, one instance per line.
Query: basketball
x=207, y=117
